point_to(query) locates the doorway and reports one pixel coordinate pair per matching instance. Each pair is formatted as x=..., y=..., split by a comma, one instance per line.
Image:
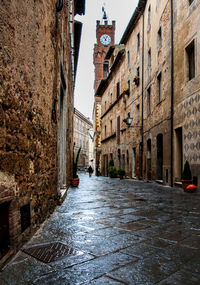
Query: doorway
x=134, y=162
x=4, y=229
x=160, y=157
x=178, y=153
x=105, y=158
x=149, y=159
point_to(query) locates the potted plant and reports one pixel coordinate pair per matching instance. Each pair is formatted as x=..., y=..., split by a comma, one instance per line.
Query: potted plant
x=111, y=162
x=186, y=175
x=112, y=170
x=75, y=178
x=121, y=173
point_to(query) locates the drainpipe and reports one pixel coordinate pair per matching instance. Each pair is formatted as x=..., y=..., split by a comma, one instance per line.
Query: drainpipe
x=60, y=6
x=172, y=92
x=142, y=123
x=71, y=37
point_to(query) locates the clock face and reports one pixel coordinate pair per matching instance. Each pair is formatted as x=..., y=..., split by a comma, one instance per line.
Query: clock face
x=105, y=39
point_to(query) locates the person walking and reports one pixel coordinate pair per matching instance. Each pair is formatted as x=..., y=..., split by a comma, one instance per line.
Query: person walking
x=90, y=170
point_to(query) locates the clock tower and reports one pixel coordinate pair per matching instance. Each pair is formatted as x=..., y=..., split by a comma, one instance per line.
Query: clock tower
x=105, y=35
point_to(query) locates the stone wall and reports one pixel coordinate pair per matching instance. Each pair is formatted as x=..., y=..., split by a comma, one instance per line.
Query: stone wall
x=157, y=121
x=34, y=44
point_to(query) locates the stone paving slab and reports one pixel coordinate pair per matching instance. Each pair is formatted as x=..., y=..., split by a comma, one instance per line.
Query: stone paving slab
x=124, y=232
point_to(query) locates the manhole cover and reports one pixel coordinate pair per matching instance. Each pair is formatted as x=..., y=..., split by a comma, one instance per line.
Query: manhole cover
x=50, y=252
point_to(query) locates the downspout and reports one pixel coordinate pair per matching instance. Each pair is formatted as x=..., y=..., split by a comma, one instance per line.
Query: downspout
x=60, y=6
x=142, y=123
x=172, y=92
x=71, y=37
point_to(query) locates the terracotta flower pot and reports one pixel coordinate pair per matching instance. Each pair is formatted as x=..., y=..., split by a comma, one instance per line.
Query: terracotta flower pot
x=185, y=183
x=74, y=182
x=191, y=188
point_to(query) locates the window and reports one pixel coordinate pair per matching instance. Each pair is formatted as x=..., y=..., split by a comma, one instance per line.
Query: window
x=110, y=98
x=118, y=89
x=111, y=127
x=119, y=157
x=138, y=41
x=25, y=217
x=149, y=58
x=138, y=112
x=118, y=130
x=105, y=68
x=138, y=71
x=148, y=101
x=149, y=17
x=159, y=39
x=159, y=87
x=190, y=1
x=128, y=58
x=105, y=105
x=190, y=60
x=127, y=157
x=105, y=131
x=129, y=86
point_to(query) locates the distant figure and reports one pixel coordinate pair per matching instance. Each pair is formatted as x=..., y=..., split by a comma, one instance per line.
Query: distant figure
x=90, y=170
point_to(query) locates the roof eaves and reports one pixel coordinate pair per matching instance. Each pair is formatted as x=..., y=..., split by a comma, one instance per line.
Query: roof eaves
x=101, y=87
x=109, y=52
x=117, y=59
x=134, y=19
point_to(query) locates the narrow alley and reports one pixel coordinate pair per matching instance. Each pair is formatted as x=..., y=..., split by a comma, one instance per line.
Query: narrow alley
x=112, y=231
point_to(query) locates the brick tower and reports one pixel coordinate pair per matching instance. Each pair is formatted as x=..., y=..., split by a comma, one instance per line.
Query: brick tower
x=105, y=35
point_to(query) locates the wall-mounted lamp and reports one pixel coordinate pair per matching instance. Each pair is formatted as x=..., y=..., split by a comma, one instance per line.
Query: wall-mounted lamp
x=129, y=121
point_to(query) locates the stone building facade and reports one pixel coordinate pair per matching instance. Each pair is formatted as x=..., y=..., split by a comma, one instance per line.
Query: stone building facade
x=105, y=35
x=157, y=92
x=187, y=87
x=83, y=138
x=150, y=97
x=39, y=48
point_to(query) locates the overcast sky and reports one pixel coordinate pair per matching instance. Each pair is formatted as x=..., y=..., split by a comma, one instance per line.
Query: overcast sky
x=121, y=12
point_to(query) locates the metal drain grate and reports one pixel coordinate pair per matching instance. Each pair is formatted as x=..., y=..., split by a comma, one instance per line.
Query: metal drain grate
x=50, y=252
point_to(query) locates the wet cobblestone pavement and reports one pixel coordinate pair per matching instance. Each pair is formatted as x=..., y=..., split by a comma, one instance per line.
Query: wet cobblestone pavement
x=119, y=232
